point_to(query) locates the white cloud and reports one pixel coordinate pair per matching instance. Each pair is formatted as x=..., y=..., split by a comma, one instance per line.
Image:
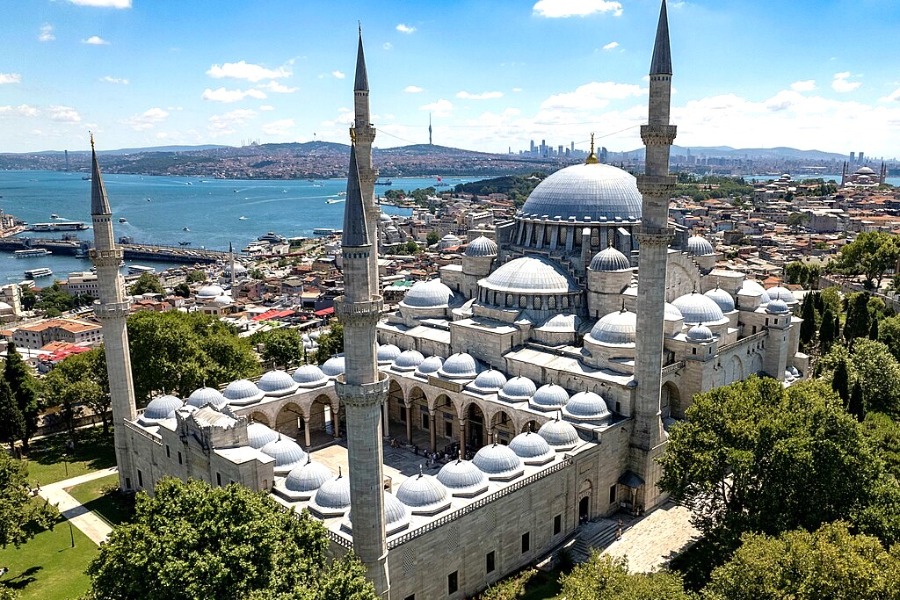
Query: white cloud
x=116, y=80
x=224, y=124
x=46, y=34
x=387, y=46
x=338, y=74
x=807, y=85
x=402, y=28
x=95, y=40
x=440, y=108
x=281, y=127
x=592, y=96
x=611, y=46
x=228, y=96
x=842, y=84
x=245, y=70
x=554, y=9
x=277, y=88
x=517, y=90
x=148, y=119
x=413, y=89
x=892, y=97
x=482, y=96
x=103, y=3
x=10, y=78
x=64, y=114
x=23, y=110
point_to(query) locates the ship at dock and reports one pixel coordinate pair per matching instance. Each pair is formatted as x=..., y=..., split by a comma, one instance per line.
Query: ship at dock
x=58, y=226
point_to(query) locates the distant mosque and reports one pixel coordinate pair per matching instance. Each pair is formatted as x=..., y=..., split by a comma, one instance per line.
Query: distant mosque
x=540, y=375
x=863, y=177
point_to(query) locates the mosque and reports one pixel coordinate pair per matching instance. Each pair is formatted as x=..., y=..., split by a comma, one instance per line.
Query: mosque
x=548, y=364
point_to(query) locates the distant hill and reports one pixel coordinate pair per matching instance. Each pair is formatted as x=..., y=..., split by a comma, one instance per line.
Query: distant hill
x=780, y=152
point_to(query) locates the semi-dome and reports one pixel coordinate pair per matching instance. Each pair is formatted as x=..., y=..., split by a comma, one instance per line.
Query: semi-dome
x=277, y=383
x=209, y=292
x=286, y=452
x=161, y=408
x=487, y=381
x=260, y=435
x=388, y=353
x=697, y=308
x=424, y=494
x=593, y=192
x=549, y=397
x=307, y=477
x=609, y=260
x=722, y=298
x=481, y=246
x=498, y=461
x=462, y=478
x=777, y=307
x=751, y=287
x=528, y=275
x=672, y=313
x=518, y=389
x=781, y=293
x=561, y=322
x=242, y=391
x=309, y=376
x=586, y=406
x=334, y=494
x=408, y=360
x=697, y=245
x=207, y=395
x=428, y=294
x=430, y=366
x=559, y=434
x=700, y=333
x=334, y=366
x=459, y=366
x=616, y=328
x=532, y=448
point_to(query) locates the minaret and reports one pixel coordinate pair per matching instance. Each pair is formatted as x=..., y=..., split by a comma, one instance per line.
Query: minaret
x=429, y=130
x=656, y=186
x=363, y=388
x=363, y=135
x=111, y=310
x=231, y=258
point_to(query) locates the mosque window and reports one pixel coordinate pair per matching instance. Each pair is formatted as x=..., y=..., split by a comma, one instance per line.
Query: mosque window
x=403, y=411
x=453, y=582
x=219, y=479
x=489, y=562
x=612, y=493
x=168, y=452
x=557, y=524
x=693, y=351
x=448, y=429
x=526, y=542
x=425, y=424
x=179, y=458
x=410, y=597
x=140, y=479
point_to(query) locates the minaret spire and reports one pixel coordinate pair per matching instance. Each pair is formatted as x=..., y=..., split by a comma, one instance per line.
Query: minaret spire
x=661, y=63
x=429, y=130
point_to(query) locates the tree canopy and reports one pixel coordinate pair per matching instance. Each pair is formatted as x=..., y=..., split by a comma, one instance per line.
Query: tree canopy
x=191, y=541
x=147, y=283
x=607, y=578
x=25, y=389
x=871, y=254
x=21, y=516
x=282, y=346
x=331, y=342
x=80, y=381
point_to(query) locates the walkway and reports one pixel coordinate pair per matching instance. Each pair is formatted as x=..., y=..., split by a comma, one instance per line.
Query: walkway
x=650, y=542
x=90, y=524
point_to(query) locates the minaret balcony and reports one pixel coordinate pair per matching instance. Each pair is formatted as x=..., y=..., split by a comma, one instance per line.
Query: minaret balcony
x=111, y=310
x=111, y=257
x=656, y=186
x=362, y=394
x=658, y=135
x=358, y=313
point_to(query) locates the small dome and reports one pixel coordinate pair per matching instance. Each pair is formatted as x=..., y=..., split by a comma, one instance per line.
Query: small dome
x=518, y=389
x=528, y=275
x=309, y=376
x=307, y=477
x=595, y=192
x=334, y=366
x=239, y=269
x=395, y=513
x=672, y=313
x=549, y=397
x=586, y=406
x=385, y=218
x=334, y=494
x=420, y=491
x=209, y=292
x=461, y=475
x=497, y=460
x=531, y=448
x=430, y=366
x=242, y=391
x=408, y=360
x=260, y=435
x=388, y=353
x=561, y=322
x=699, y=246
x=751, y=287
x=697, y=308
x=428, y=294
x=286, y=452
x=481, y=246
x=161, y=408
x=223, y=300
x=449, y=241
x=616, y=328
x=700, y=333
x=487, y=381
x=277, y=383
x=458, y=366
x=559, y=434
x=781, y=293
x=777, y=307
x=722, y=298
x=610, y=260
x=206, y=395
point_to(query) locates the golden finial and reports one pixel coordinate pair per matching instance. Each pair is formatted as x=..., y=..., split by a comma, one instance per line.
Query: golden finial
x=353, y=135
x=592, y=158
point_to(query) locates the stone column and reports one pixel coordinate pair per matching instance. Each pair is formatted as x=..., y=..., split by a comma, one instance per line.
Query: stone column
x=306, y=431
x=462, y=439
x=409, y=418
x=432, y=417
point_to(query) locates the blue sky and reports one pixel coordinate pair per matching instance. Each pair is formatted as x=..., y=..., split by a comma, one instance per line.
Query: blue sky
x=494, y=74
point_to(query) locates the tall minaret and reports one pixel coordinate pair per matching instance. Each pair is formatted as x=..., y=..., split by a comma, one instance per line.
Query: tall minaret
x=231, y=260
x=363, y=134
x=112, y=310
x=363, y=388
x=429, y=129
x=656, y=186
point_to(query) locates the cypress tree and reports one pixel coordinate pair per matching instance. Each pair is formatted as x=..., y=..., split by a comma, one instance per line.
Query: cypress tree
x=873, y=330
x=12, y=424
x=840, y=381
x=827, y=331
x=856, y=407
x=24, y=388
x=808, y=327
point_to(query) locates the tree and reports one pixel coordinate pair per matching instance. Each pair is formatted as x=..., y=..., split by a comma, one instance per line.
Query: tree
x=607, y=578
x=808, y=326
x=21, y=516
x=878, y=373
x=827, y=563
x=889, y=334
x=883, y=433
x=856, y=406
x=12, y=423
x=859, y=318
x=871, y=254
x=331, y=342
x=432, y=238
x=509, y=588
x=754, y=456
x=412, y=247
x=283, y=346
x=24, y=387
x=196, y=276
x=81, y=380
x=147, y=283
x=191, y=540
x=182, y=290
x=840, y=382
x=829, y=298
x=873, y=330
x=827, y=331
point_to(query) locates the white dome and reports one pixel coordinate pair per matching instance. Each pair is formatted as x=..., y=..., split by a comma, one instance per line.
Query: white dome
x=531, y=448
x=487, y=381
x=260, y=435
x=458, y=366
x=777, y=307
x=609, y=260
x=307, y=477
x=561, y=322
x=430, y=365
x=286, y=452
x=700, y=333
x=207, y=395
x=586, y=406
x=239, y=269
x=161, y=408
x=498, y=461
x=309, y=376
x=209, y=292
x=422, y=491
x=396, y=515
x=699, y=246
x=388, y=353
x=697, y=308
x=751, y=287
x=242, y=391
x=782, y=293
x=549, y=397
x=408, y=360
x=461, y=475
x=672, y=313
x=334, y=494
x=518, y=389
x=449, y=241
x=559, y=434
x=616, y=328
x=223, y=300
x=528, y=275
x=334, y=366
x=481, y=246
x=722, y=298
x=277, y=383
x=592, y=192
x=428, y=294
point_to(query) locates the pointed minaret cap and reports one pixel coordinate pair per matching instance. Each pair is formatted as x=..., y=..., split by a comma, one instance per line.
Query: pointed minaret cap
x=361, y=84
x=661, y=64
x=99, y=201
x=355, y=231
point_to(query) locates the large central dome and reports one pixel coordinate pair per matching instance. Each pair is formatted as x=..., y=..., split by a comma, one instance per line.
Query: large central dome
x=592, y=192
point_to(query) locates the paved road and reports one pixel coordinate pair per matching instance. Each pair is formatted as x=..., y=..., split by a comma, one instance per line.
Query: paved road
x=90, y=524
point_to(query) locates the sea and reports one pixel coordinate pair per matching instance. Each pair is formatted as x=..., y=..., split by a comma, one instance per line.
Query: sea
x=208, y=213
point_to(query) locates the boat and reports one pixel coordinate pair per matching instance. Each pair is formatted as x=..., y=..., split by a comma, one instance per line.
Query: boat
x=185, y=229
x=39, y=272
x=334, y=200
x=242, y=218
x=384, y=182
x=184, y=243
x=140, y=270
x=440, y=183
x=342, y=194
x=54, y=216
x=58, y=226
x=123, y=220
x=31, y=253
x=272, y=237
x=86, y=178
x=323, y=231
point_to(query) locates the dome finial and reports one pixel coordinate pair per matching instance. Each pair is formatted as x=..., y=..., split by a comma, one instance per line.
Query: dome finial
x=420, y=471
x=592, y=158
x=339, y=472
x=623, y=305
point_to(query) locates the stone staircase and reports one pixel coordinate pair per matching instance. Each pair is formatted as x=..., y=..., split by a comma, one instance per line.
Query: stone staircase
x=593, y=535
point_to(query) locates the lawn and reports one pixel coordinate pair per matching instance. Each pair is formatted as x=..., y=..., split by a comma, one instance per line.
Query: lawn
x=47, y=567
x=93, y=451
x=103, y=498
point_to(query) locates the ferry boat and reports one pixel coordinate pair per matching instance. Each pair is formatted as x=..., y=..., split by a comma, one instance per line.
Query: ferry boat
x=54, y=216
x=58, y=226
x=323, y=231
x=384, y=182
x=39, y=272
x=272, y=237
x=140, y=270
x=31, y=253
x=123, y=220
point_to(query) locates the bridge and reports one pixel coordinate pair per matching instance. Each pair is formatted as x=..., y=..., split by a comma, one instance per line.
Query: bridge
x=141, y=252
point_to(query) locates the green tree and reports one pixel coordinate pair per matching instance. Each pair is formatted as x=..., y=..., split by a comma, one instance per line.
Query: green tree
x=808, y=326
x=25, y=389
x=871, y=255
x=829, y=298
x=607, y=578
x=182, y=290
x=196, y=276
x=147, y=283
x=12, y=423
x=856, y=406
x=840, y=382
x=21, y=516
x=827, y=331
x=873, y=330
x=859, y=318
x=509, y=588
x=883, y=433
x=282, y=346
x=889, y=334
x=412, y=247
x=191, y=541
x=878, y=373
x=331, y=342
x=432, y=238
x=81, y=380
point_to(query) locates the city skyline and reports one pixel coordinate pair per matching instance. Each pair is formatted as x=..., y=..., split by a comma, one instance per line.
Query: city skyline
x=492, y=76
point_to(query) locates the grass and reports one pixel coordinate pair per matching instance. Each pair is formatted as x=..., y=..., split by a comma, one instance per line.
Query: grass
x=47, y=567
x=93, y=451
x=103, y=498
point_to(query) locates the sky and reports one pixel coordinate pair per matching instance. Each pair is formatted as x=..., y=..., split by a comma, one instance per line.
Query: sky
x=492, y=74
